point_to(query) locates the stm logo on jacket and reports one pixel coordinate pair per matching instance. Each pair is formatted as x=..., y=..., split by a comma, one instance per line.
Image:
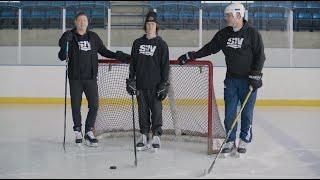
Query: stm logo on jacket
x=150, y=62
x=84, y=45
x=147, y=50
x=235, y=42
x=243, y=50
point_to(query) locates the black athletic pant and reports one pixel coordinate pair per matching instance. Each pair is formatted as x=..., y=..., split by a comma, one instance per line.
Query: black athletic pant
x=149, y=104
x=90, y=88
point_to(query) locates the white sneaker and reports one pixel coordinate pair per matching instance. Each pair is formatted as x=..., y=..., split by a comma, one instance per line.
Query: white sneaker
x=91, y=140
x=156, y=142
x=79, y=137
x=242, y=147
x=228, y=147
x=142, y=143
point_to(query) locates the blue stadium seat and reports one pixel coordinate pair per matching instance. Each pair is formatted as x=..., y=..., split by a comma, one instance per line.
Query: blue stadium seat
x=70, y=14
x=276, y=15
x=262, y=4
x=205, y=15
x=276, y=20
x=260, y=20
x=299, y=4
x=9, y=13
x=286, y=4
x=250, y=17
x=304, y=21
x=98, y=16
x=304, y=15
x=160, y=15
x=38, y=18
x=8, y=17
x=58, y=3
x=213, y=18
x=313, y=4
x=187, y=20
x=38, y=14
x=170, y=15
x=171, y=7
x=316, y=21
x=72, y=3
x=269, y=3
x=215, y=15
x=186, y=15
x=51, y=13
x=25, y=13
x=98, y=13
x=54, y=18
x=261, y=15
x=28, y=3
x=316, y=16
x=102, y=3
x=43, y=3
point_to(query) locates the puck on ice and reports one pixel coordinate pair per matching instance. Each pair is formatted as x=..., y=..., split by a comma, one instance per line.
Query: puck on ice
x=113, y=167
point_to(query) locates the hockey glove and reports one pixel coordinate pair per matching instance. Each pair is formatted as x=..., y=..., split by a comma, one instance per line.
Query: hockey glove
x=183, y=59
x=162, y=90
x=131, y=86
x=255, y=79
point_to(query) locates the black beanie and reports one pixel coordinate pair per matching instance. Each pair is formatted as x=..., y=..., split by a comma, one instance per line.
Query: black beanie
x=151, y=17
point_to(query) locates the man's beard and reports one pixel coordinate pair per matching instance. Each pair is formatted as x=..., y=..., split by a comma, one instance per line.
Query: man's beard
x=82, y=27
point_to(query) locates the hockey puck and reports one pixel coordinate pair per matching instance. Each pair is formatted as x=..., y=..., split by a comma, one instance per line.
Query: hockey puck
x=113, y=167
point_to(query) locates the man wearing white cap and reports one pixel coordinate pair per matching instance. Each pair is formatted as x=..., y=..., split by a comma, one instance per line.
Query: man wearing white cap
x=244, y=56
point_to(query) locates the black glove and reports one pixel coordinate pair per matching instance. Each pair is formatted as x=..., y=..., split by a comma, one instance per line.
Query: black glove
x=131, y=86
x=255, y=79
x=183, y=59
x=123, y=57
x=162, y=90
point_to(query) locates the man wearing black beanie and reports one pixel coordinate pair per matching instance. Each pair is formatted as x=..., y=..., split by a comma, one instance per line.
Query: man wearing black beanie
x=148, y=77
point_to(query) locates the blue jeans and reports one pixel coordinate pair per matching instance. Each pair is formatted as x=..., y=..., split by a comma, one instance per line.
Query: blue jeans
x=235, y=91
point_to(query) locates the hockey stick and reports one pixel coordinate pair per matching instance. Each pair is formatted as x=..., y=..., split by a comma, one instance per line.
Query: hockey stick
x=232, y=126
x=65, y=99
x=134, y=132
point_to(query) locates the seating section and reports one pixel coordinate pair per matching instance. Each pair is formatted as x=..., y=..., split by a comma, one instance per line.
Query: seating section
x=265, y=15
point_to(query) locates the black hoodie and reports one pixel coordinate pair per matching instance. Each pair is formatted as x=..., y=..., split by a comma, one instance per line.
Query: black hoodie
x=150, y=62
x=243, y=50
x=83, y=54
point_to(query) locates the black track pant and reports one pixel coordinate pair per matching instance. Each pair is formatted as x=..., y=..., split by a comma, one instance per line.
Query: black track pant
x=90, y=88
x=148, y=104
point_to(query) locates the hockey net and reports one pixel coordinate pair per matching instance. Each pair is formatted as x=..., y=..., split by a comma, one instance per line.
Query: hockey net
x=190, y=111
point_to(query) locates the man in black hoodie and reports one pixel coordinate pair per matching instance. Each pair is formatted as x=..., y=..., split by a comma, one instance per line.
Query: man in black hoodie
x=244, y=55
x=149, y=74
x=84, y=46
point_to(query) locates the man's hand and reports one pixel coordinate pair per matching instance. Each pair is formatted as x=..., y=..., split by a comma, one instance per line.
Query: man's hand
x=183, y=59
x=162, y=90
x=123, y=57
x=131, y=86
x=255, y=79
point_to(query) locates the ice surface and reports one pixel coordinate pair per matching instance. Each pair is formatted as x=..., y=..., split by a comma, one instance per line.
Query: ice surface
x=285, y=145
